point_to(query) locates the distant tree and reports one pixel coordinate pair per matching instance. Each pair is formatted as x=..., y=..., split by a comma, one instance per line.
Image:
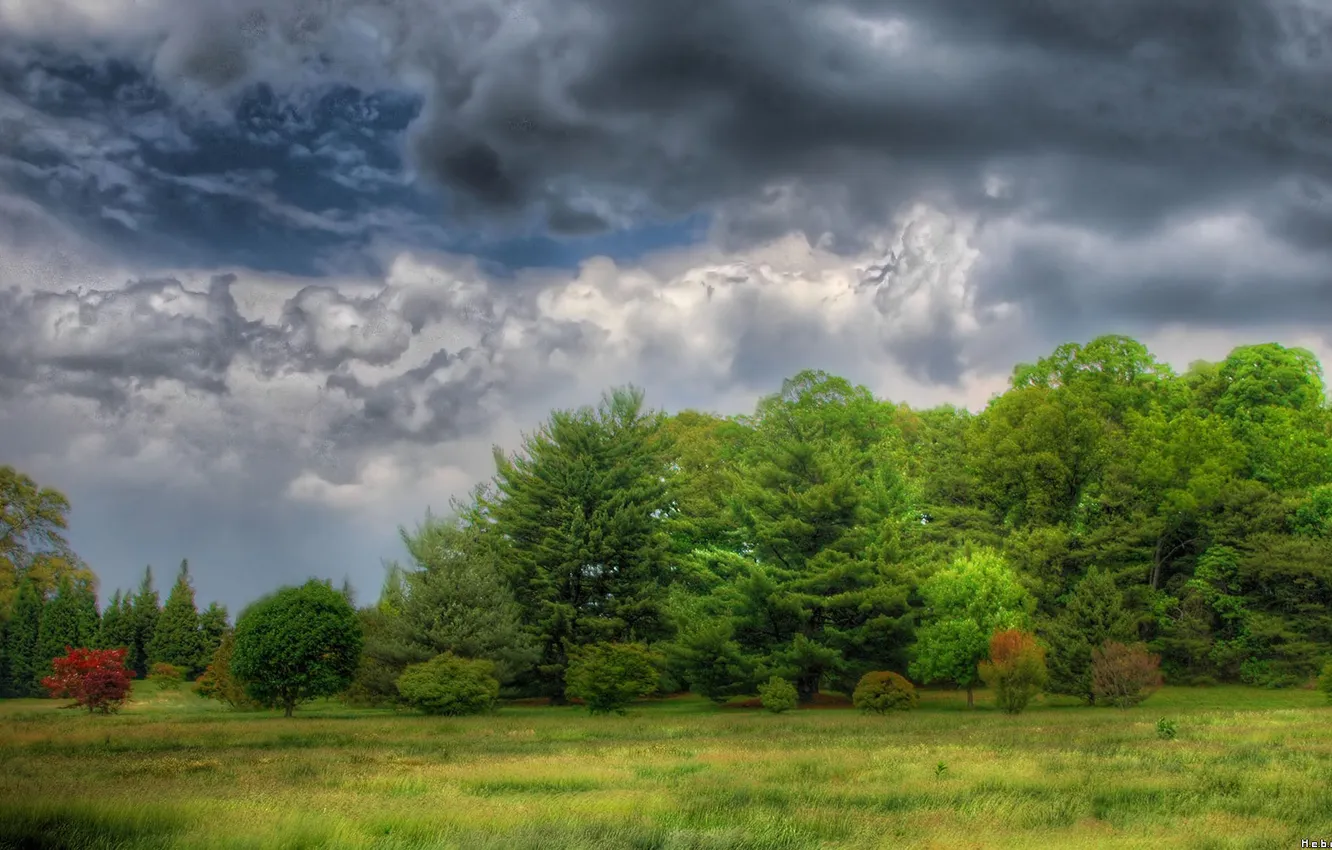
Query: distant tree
x=1093, y=614
x=213, y=624
x=33, y=521
x=60, y=625
x=22, y=655
x=218, y=683
x=93, y=678
x=145, y=608
x=449, y=685
x=116, y=630
x=89, y=620
x=1016, y=669
x=713, y=663
x=607, y=677
x=966, y=603
x=1124, y=675
x=166, y=677
x=297, y=644
x=176, y=638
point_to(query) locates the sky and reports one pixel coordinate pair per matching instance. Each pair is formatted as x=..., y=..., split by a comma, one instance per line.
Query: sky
x=275, y=275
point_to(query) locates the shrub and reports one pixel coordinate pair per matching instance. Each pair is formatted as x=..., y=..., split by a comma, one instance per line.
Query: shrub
x=1166, y=730
x=1124, y=675
x=447, y=684
x=218, y=683
x=609, y=676
x=778, y=695
x=297, y=644
x=1016, y=670
x=94, y=678
x=883, y=692
x=166, y=676
x=1325, y=681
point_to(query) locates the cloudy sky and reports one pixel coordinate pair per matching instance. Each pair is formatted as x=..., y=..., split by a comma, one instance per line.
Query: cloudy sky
x=276, y=274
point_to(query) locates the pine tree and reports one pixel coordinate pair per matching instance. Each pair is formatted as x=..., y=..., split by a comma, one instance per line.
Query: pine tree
x=144, y=611
x=582, y=508
x=176, y=639
x=59, y=627
x=1093, y=614
x=89, y=620
x=24, y=626
x=213, y=624
x=117, y=627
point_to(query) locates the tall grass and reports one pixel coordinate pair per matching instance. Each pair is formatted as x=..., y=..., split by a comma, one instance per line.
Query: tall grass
x=1249, y=768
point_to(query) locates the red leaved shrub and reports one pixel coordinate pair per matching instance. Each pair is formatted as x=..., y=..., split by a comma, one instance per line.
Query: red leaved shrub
x=1124, y=675
x=94, y=678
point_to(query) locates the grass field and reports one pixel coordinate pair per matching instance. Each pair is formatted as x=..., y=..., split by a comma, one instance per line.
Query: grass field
x=1250, y=768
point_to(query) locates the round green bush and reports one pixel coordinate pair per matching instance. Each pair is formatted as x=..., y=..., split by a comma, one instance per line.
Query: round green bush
x=884, y=691
x=778, y=695
x=607, y=677
x=447, y=684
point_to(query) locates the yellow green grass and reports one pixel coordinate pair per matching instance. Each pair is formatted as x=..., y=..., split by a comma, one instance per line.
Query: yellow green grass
x=1250, y=768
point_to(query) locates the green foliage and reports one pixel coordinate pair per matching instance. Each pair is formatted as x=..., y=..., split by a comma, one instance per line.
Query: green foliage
x=1092, y=614
x=607, y=677
x=1325, y=681
x=213, y=624
x=62, y=626
x=295, y=645
x=24, y=668
x=449, y=685
x=778, y=695
x=166, y=677
x=1166, y=729
x=881, y=692
x=713, y=663
x=582, y=509
x=177, y=639
x=966, y=603
x=145, y=608
x=217, y=681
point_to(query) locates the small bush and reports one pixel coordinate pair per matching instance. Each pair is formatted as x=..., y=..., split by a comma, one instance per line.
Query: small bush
x=94, y=678
x=882, y=692
x=778, y=695
x=1325, y=681
x=447, y=684
x=609, y=676
x=218, y=683
x=167, y=677
x=1016, y=670
x=1166, y=730
x=1123, y=675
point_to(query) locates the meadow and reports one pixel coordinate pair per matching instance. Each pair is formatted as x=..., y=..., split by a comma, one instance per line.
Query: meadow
x=1249, y=768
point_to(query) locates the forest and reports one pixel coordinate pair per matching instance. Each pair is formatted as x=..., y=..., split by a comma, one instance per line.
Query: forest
x=825, y=535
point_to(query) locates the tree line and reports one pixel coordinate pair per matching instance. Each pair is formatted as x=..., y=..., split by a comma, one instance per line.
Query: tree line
x=1102, y=500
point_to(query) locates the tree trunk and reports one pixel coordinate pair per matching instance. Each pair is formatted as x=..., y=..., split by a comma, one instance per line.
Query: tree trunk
x=971, y=696
x=288, y=709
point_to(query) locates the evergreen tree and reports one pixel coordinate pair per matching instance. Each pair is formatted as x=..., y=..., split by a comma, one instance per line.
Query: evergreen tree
x=582, y=509
x=59, y=627
x=24, y=627
x=213, y=624
x=176, y=638
x=89, y=620
x=1093, y=614
x=144, y=611
x=117, y=626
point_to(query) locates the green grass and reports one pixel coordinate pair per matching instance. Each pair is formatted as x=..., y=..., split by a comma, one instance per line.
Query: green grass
x=1250, y=768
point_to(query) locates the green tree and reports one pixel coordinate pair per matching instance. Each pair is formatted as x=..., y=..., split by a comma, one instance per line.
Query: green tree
x=145, y=608
x=295, y=645
x=24, y=671
x=176, y=638
x=218, y=682
x=966, y=603
x=582, y=508
x=60, y=626
x=33, y=521
x=449, y=685
x=1091, y=615
x=213, y=624
x=607, y=677
x=116, y=630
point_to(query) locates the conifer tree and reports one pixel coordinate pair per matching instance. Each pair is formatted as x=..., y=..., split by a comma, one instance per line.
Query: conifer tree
x=116, y=630
x=213, y=624
x=144, y=611
x=1093, y=614
x=176, y=638
x=89, y=620
x=59, y=627
x=21, y=646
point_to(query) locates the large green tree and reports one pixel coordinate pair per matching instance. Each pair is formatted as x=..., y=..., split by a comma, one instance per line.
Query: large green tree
x=296, y=645
x=581, y=509
x=145, y=608
x=23, y=666
x=177, y=639
x=1091, y=614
